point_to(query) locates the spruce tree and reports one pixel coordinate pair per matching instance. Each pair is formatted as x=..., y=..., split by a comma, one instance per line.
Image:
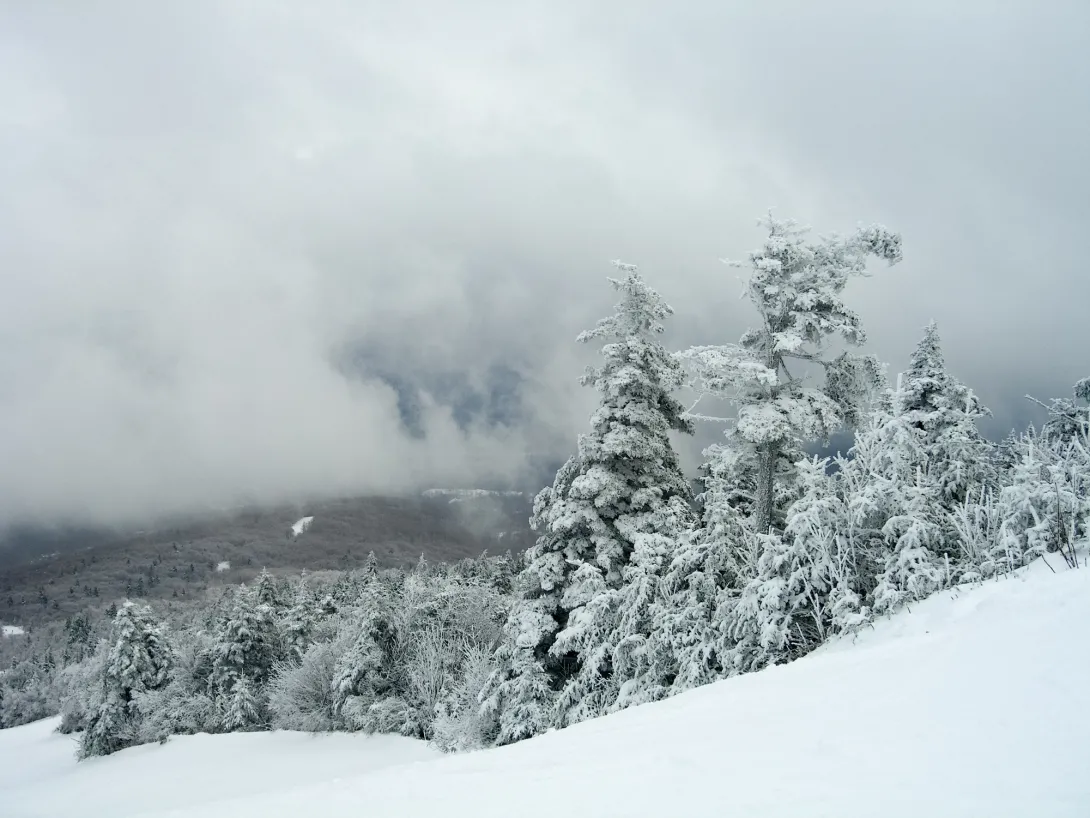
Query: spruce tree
x=925, y=466
x=267, y=592
x=612, y=510
x=941, y=413
x=297, y=624
x=796, y=286
x=1045, y=505
x=138, y=661
x=247, y=646
x=752, y=478
x=243, y=711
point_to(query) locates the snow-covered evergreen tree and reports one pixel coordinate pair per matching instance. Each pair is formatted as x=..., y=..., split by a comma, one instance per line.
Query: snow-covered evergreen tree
x=186, y=704
x=1068, y=418
x=461, y=723
x=242, y=710
x=267, y=592
x=924, y=461
x=752, y=478
x=1045, y=505
x=518, y=695
x=247, y=646
x=807, y=585
x=915, y=565
x=366, y=672
x=608, y=503
x=796, y=286
x=298, y=622
x=139, y=660
x=941, y=413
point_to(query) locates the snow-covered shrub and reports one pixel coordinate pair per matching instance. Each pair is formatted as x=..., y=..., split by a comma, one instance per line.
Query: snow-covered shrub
x=301, y=696
x=186, y=704
x=78, y=691
x=461, y=723
x=26, y=694
x=390, y=714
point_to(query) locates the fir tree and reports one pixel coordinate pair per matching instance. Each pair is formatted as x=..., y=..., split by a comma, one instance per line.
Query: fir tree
x=266, y=591
x=243, y=711
x=138, y=661
x=247, y=645
x=751, y=480
x=796, y=288
x=298, y=621
x=924, y=462
x=941, y=413
x=604, y=521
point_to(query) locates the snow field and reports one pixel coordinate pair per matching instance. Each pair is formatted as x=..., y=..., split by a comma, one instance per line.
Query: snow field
x=968, y=705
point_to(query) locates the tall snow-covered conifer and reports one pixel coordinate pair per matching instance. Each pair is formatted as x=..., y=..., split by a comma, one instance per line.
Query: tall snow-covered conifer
x=923, y=461
x=605, y=526
x=796, y=287
x=751, y=479
x=941, y=414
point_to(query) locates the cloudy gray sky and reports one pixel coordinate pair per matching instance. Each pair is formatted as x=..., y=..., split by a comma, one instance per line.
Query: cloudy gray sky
x=265, y=250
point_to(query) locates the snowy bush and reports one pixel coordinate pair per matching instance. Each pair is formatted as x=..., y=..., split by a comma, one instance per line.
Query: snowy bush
x=25, y=694
x=301, y=696
x=461, y=723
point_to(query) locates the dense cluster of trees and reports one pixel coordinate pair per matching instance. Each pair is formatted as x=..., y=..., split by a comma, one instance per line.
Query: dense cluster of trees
x=382, y=651
x=636, y=588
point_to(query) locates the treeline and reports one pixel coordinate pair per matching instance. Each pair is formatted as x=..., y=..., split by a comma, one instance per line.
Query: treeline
x=376, y=650
x=636, y=589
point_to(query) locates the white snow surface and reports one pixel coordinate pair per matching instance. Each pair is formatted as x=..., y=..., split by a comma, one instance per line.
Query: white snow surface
x=223, y=566
x=39, y=774
x=301, y=525
x=970, y=704
x=12, y=630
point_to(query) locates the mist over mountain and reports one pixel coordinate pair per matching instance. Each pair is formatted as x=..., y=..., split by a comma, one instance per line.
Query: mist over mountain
x=255, y=254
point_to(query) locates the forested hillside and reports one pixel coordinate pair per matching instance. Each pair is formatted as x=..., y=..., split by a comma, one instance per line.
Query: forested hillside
x=58, y=574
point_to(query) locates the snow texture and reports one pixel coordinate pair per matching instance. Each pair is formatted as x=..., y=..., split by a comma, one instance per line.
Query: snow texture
x=39, y=775
x=11, y=630
x=967, y=705
x=301, y=525
x=223, y=566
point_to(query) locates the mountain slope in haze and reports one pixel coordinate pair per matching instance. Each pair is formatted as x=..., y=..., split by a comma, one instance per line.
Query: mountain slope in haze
x=177, y=560
x=968, y=705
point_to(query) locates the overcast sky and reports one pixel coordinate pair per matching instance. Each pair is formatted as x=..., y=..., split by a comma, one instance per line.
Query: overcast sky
x=266, y=250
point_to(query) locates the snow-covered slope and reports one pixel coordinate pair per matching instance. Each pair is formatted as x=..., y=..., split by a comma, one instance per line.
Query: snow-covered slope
x=972, y=704
x=301, y=525
x=39, y=774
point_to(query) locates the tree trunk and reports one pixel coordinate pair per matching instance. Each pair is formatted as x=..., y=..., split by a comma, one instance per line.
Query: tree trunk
x=766, y=462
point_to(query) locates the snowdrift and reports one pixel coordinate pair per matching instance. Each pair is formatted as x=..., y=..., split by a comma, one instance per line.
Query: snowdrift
x=970, y=704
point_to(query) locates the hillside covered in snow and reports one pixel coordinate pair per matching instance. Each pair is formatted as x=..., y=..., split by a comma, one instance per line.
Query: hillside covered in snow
x=969, y=704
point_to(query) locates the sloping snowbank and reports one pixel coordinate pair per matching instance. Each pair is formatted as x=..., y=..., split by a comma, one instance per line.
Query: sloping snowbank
x=39, y=774
x=972, y=704
x=301, y=525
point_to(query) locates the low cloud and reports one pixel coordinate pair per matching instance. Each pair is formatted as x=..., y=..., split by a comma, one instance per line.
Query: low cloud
x=252, y=254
